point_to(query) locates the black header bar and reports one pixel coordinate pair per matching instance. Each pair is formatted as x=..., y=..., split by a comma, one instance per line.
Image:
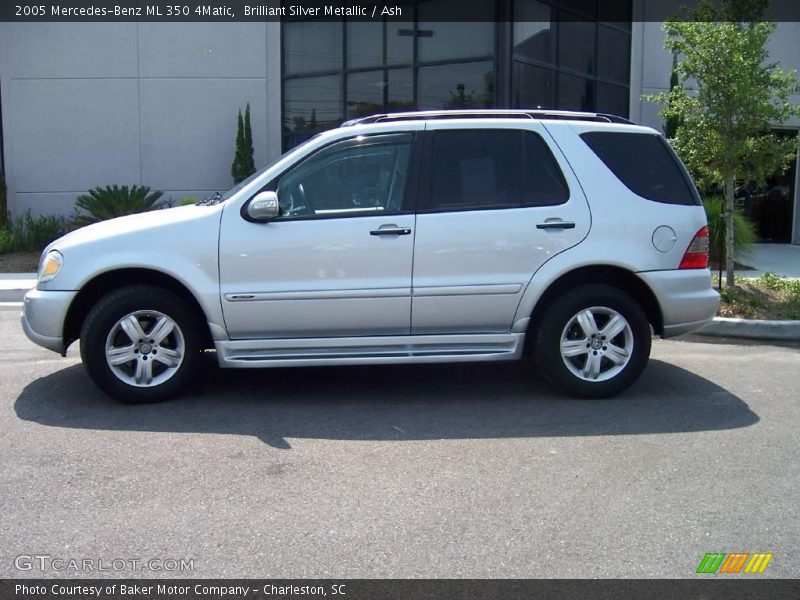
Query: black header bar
x=336, y=10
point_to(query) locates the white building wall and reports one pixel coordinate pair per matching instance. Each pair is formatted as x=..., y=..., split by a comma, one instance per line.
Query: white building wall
x=652, y=66
x=88, y=104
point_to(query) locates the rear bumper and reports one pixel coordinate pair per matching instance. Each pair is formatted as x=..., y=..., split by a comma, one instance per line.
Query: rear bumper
x=687, y=300
x=43, y=316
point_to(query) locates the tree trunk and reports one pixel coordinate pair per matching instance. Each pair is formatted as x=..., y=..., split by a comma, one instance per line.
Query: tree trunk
x=729, y=241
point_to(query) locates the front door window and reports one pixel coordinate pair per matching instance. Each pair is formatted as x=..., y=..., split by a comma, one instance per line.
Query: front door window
x=348, y=179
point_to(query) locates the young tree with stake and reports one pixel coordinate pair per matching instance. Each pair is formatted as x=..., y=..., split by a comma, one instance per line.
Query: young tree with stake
x=736, y=95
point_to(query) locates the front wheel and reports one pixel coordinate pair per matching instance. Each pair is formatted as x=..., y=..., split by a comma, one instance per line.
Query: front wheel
x=593, y=342
x=141, y=344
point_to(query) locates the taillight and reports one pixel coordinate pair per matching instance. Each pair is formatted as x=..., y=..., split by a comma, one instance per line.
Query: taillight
x=696, y=255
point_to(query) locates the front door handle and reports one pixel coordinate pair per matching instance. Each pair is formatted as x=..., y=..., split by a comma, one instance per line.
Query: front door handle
x=390, y=230
x=556, y=225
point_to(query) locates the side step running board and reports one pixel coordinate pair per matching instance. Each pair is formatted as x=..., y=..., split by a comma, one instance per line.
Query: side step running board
x=245, y=354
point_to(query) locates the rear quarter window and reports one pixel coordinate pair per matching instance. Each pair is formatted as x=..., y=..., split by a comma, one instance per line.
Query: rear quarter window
x=646, y=164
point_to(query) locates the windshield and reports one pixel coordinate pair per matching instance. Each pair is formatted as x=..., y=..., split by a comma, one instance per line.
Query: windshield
x=231, y=192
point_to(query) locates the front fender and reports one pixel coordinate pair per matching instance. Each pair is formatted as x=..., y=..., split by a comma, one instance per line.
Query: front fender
x=185, y=249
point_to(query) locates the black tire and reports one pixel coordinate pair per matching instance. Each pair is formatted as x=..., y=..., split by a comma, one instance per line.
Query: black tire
x=109, y=310
x=559, y=314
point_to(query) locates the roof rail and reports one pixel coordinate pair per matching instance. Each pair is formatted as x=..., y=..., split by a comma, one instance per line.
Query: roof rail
x=616, y=118
x=562, y=115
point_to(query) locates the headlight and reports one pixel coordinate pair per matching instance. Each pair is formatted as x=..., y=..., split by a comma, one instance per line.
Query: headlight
x=50, y=265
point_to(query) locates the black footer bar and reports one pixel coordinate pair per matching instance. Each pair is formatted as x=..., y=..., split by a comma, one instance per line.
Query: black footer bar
x=378, y=589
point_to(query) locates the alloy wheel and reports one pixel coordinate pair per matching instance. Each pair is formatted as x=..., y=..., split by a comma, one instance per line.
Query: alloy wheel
x=596, y=344
x=145, y=348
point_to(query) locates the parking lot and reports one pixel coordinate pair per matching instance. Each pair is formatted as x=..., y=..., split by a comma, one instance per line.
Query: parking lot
x=407, y=471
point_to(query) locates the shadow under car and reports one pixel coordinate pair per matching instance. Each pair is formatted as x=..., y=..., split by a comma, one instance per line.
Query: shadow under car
x=413, y=402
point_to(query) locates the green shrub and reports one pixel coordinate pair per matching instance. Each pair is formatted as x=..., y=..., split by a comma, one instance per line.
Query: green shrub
x=771, y=281
x=744, y=231
x=790, y=287
x=781, y=284
x=29, y=234
x=3, y=200
x=6, y=241
x=115, y=201
x=41, y=231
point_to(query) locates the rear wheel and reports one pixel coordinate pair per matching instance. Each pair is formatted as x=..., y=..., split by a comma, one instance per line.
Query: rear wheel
x=593, y=342
x=141, y=344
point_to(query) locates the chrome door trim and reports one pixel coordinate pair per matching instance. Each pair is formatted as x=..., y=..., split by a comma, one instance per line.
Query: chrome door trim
x=319, y=295
x=468, y=290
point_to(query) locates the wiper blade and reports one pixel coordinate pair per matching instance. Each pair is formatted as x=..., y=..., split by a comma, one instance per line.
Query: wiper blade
x=215, y=198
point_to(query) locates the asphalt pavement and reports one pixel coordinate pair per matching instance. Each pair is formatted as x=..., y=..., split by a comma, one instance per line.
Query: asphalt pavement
x=404, y=471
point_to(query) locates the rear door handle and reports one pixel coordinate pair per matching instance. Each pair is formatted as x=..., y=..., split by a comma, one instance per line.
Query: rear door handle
x=390, y=230
x=556, y=225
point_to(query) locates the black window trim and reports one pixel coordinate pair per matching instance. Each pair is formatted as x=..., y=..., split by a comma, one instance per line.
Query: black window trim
x=407, y=206
x=682, y=169
x=561, y=177
x=424, y=196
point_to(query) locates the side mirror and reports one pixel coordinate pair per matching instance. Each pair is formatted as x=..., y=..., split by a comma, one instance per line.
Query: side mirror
x=264, y=207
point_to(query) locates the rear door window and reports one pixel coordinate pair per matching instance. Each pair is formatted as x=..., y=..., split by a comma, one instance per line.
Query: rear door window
x=483, y=169
x=475, y=169
x=646, y=164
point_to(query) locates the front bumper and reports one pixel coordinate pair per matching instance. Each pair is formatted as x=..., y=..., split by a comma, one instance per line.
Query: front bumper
x=686, y=297
x=43, y=316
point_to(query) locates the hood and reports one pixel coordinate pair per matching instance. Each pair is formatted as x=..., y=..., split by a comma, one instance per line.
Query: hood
x=163, y=219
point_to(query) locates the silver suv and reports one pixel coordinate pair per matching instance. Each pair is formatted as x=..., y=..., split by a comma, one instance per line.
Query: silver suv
x=567, y=239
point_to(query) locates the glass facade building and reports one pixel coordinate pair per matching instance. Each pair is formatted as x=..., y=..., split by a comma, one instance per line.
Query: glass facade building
x=524, y=54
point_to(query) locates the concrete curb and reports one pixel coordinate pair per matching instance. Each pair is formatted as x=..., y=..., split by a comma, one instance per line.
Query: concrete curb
x=753, y=329
x=14, y=286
